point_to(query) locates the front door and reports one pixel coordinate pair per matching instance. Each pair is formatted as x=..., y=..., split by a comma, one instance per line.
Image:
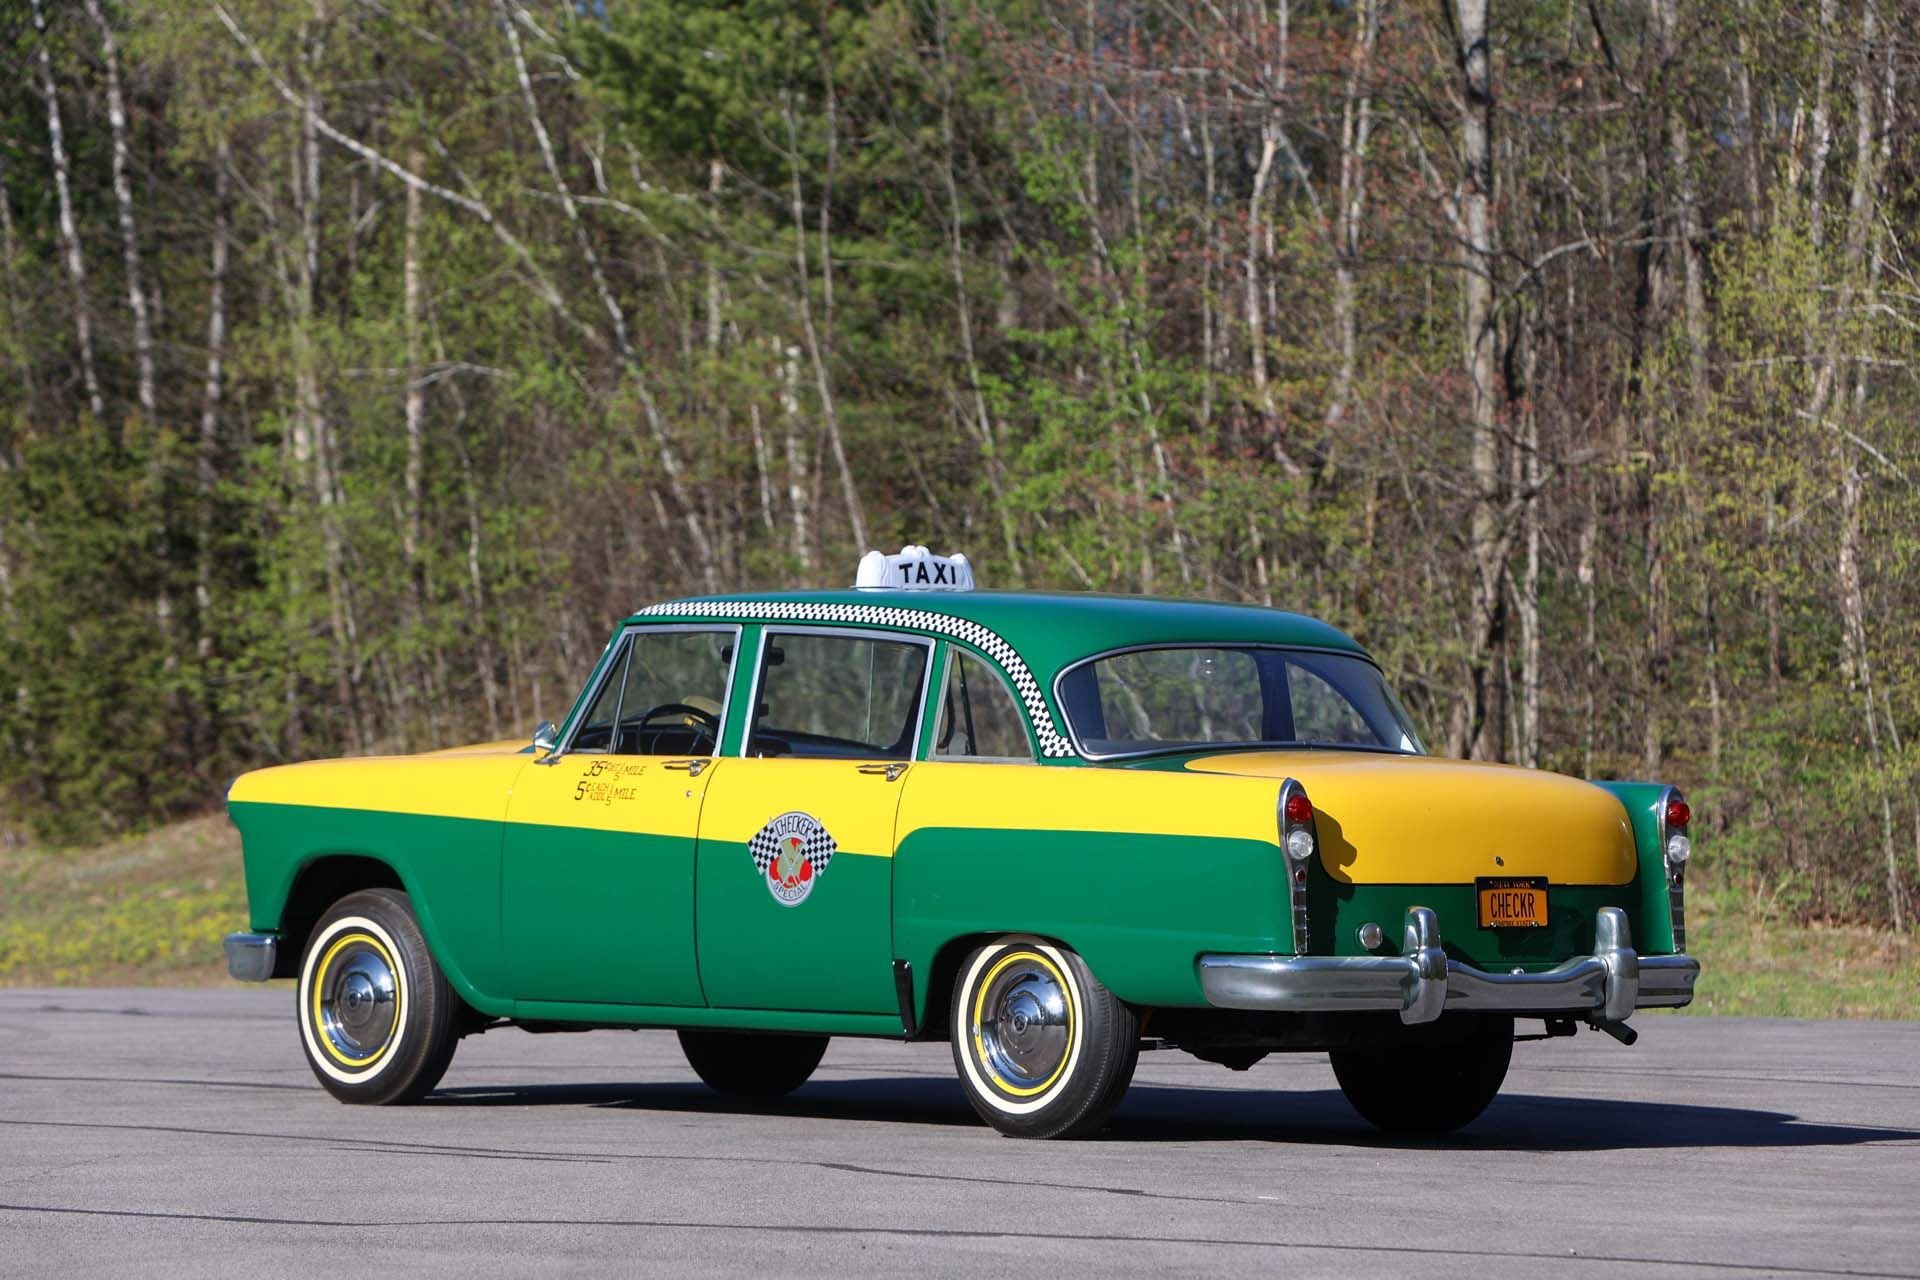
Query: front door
x=795, y=885
x=598, y=873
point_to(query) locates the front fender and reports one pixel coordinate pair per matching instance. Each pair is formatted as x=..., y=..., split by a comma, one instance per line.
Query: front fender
x=449, y=868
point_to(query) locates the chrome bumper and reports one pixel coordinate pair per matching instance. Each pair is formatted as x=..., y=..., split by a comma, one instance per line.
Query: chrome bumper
x=1422, y=983
x=250, y=956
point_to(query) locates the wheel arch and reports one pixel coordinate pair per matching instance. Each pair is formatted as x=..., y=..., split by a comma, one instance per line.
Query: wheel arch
x=317, y=885
x=936, y=1003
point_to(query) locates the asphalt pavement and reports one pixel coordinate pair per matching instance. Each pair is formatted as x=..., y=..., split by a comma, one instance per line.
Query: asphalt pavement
x=179, y=1133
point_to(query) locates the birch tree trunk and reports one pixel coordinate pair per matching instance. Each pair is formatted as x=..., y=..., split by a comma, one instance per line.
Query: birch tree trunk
x=69, y=234
x=1479, y=727
x=799, y=495
x=664, y=450
x=416, y=393
x=1356, y=129
x=1853, y=607
x=803, y=298
x=123, y=202
x=980, y=419
x=322, y=469
x=207, y=462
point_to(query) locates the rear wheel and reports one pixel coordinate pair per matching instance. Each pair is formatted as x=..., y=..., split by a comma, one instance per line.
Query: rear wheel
x=377, y=1018
x=747, y=1064
x=1043, y=1050
x=1428, y=1088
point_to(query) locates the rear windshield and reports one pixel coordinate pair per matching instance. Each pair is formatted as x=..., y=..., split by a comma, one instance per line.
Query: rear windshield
x=1183, y=698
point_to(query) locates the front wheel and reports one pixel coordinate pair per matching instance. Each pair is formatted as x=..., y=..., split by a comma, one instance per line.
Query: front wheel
x=377, y=1018
x=1428, y=1088
x=1043, y=1050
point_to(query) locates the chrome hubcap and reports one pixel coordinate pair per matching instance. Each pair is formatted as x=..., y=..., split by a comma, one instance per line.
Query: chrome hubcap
x=358, y=1004
x=1025, y=1027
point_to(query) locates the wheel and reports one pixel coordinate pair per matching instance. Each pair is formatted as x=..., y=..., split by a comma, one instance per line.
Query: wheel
x=377, y=1018
x=748, y=1064
x=1428, y=1089
x=1042, y=1049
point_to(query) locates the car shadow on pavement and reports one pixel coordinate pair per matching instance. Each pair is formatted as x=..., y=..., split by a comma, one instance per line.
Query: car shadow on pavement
x=1158, y=1113
x=1518, y=1122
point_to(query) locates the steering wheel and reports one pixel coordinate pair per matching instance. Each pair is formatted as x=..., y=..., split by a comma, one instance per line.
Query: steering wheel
x=703, y=720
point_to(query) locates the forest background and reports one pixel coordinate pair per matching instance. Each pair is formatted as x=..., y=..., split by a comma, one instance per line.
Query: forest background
x=361, y=361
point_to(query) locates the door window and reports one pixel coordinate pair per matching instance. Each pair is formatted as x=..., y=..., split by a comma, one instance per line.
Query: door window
x=662, y=696
x=979, y=719
x=830, y=694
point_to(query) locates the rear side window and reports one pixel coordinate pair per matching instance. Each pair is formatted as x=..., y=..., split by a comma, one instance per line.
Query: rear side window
x=979, y=719
x=829, y=694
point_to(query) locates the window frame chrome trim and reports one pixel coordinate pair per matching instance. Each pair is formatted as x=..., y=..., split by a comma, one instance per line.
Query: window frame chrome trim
x=1208, y=748
x=605, y=673
x=859, y=633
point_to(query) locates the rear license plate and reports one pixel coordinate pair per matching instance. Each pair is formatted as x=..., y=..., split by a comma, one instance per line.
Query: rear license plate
x=1513, y=903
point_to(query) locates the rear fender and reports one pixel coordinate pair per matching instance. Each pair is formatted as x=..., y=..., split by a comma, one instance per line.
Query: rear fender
x=1652, y=917
x=1138, y=872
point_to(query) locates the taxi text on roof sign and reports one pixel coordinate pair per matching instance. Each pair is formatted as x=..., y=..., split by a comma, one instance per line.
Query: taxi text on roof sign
x=914, y=569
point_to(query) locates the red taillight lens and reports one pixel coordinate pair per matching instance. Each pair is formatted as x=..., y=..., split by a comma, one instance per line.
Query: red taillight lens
x=1299, y=810
x=1678, y=815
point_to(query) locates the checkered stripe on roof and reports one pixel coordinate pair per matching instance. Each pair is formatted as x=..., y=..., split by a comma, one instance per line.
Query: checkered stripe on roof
x=1053, y=743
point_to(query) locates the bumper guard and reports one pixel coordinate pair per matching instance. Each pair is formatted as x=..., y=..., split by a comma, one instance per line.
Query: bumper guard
x=1422, y=983
x=250, y=956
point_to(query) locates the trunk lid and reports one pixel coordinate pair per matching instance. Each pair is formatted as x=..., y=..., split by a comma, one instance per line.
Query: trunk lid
x=1398, y=819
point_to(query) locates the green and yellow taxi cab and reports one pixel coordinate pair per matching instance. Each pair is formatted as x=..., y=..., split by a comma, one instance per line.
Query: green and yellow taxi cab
x=1048, y=829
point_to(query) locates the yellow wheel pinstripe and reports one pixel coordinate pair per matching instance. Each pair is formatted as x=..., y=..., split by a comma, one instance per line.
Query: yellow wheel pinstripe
x=320, y=973
x=980, y=1016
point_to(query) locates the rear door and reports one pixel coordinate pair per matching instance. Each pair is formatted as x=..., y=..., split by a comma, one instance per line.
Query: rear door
x=795, y=882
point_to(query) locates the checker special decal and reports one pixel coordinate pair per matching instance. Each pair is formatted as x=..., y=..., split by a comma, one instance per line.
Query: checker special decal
x=1053, y=743
x=791, y=853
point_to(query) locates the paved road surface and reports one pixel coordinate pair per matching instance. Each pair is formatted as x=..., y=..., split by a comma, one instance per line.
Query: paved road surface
x=159, y=1133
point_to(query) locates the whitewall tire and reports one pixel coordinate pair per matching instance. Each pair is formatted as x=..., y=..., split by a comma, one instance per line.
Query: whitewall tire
x=1042, y=1049
x=376, y=1014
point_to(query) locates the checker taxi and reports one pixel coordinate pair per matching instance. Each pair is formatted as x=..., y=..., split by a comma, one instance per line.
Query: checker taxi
x=1051, y=830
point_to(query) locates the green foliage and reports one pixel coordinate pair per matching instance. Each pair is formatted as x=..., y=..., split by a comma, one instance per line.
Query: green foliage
x=1007, y=262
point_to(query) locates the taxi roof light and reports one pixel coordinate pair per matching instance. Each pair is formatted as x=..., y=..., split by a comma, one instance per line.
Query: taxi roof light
x=913, y=569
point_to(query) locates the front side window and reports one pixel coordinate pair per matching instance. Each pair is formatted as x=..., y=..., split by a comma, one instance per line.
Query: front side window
x=1188, y=698
x=979, y=719
x=662, y=695
x=829, y=694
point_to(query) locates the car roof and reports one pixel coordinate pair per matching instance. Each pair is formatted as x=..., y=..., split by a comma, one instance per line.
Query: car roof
x=1050, y=629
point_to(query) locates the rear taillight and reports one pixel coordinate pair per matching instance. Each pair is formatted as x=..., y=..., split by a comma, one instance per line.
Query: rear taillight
x=1298, y=841
x=1299, y=810
x=1676, y=846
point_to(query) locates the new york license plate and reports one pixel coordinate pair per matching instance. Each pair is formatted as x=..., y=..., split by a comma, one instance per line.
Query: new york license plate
x=1513, y=902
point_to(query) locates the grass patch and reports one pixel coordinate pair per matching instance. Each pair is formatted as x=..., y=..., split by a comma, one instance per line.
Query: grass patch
x=150, y=910
x=147, y=910
x=1752, y=962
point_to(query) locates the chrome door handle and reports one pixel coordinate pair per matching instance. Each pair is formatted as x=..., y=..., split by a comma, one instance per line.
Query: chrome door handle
x=892, y=772
x=693, y=767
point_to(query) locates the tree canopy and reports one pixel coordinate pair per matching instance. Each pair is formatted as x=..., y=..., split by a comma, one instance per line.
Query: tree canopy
x=364, y=359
